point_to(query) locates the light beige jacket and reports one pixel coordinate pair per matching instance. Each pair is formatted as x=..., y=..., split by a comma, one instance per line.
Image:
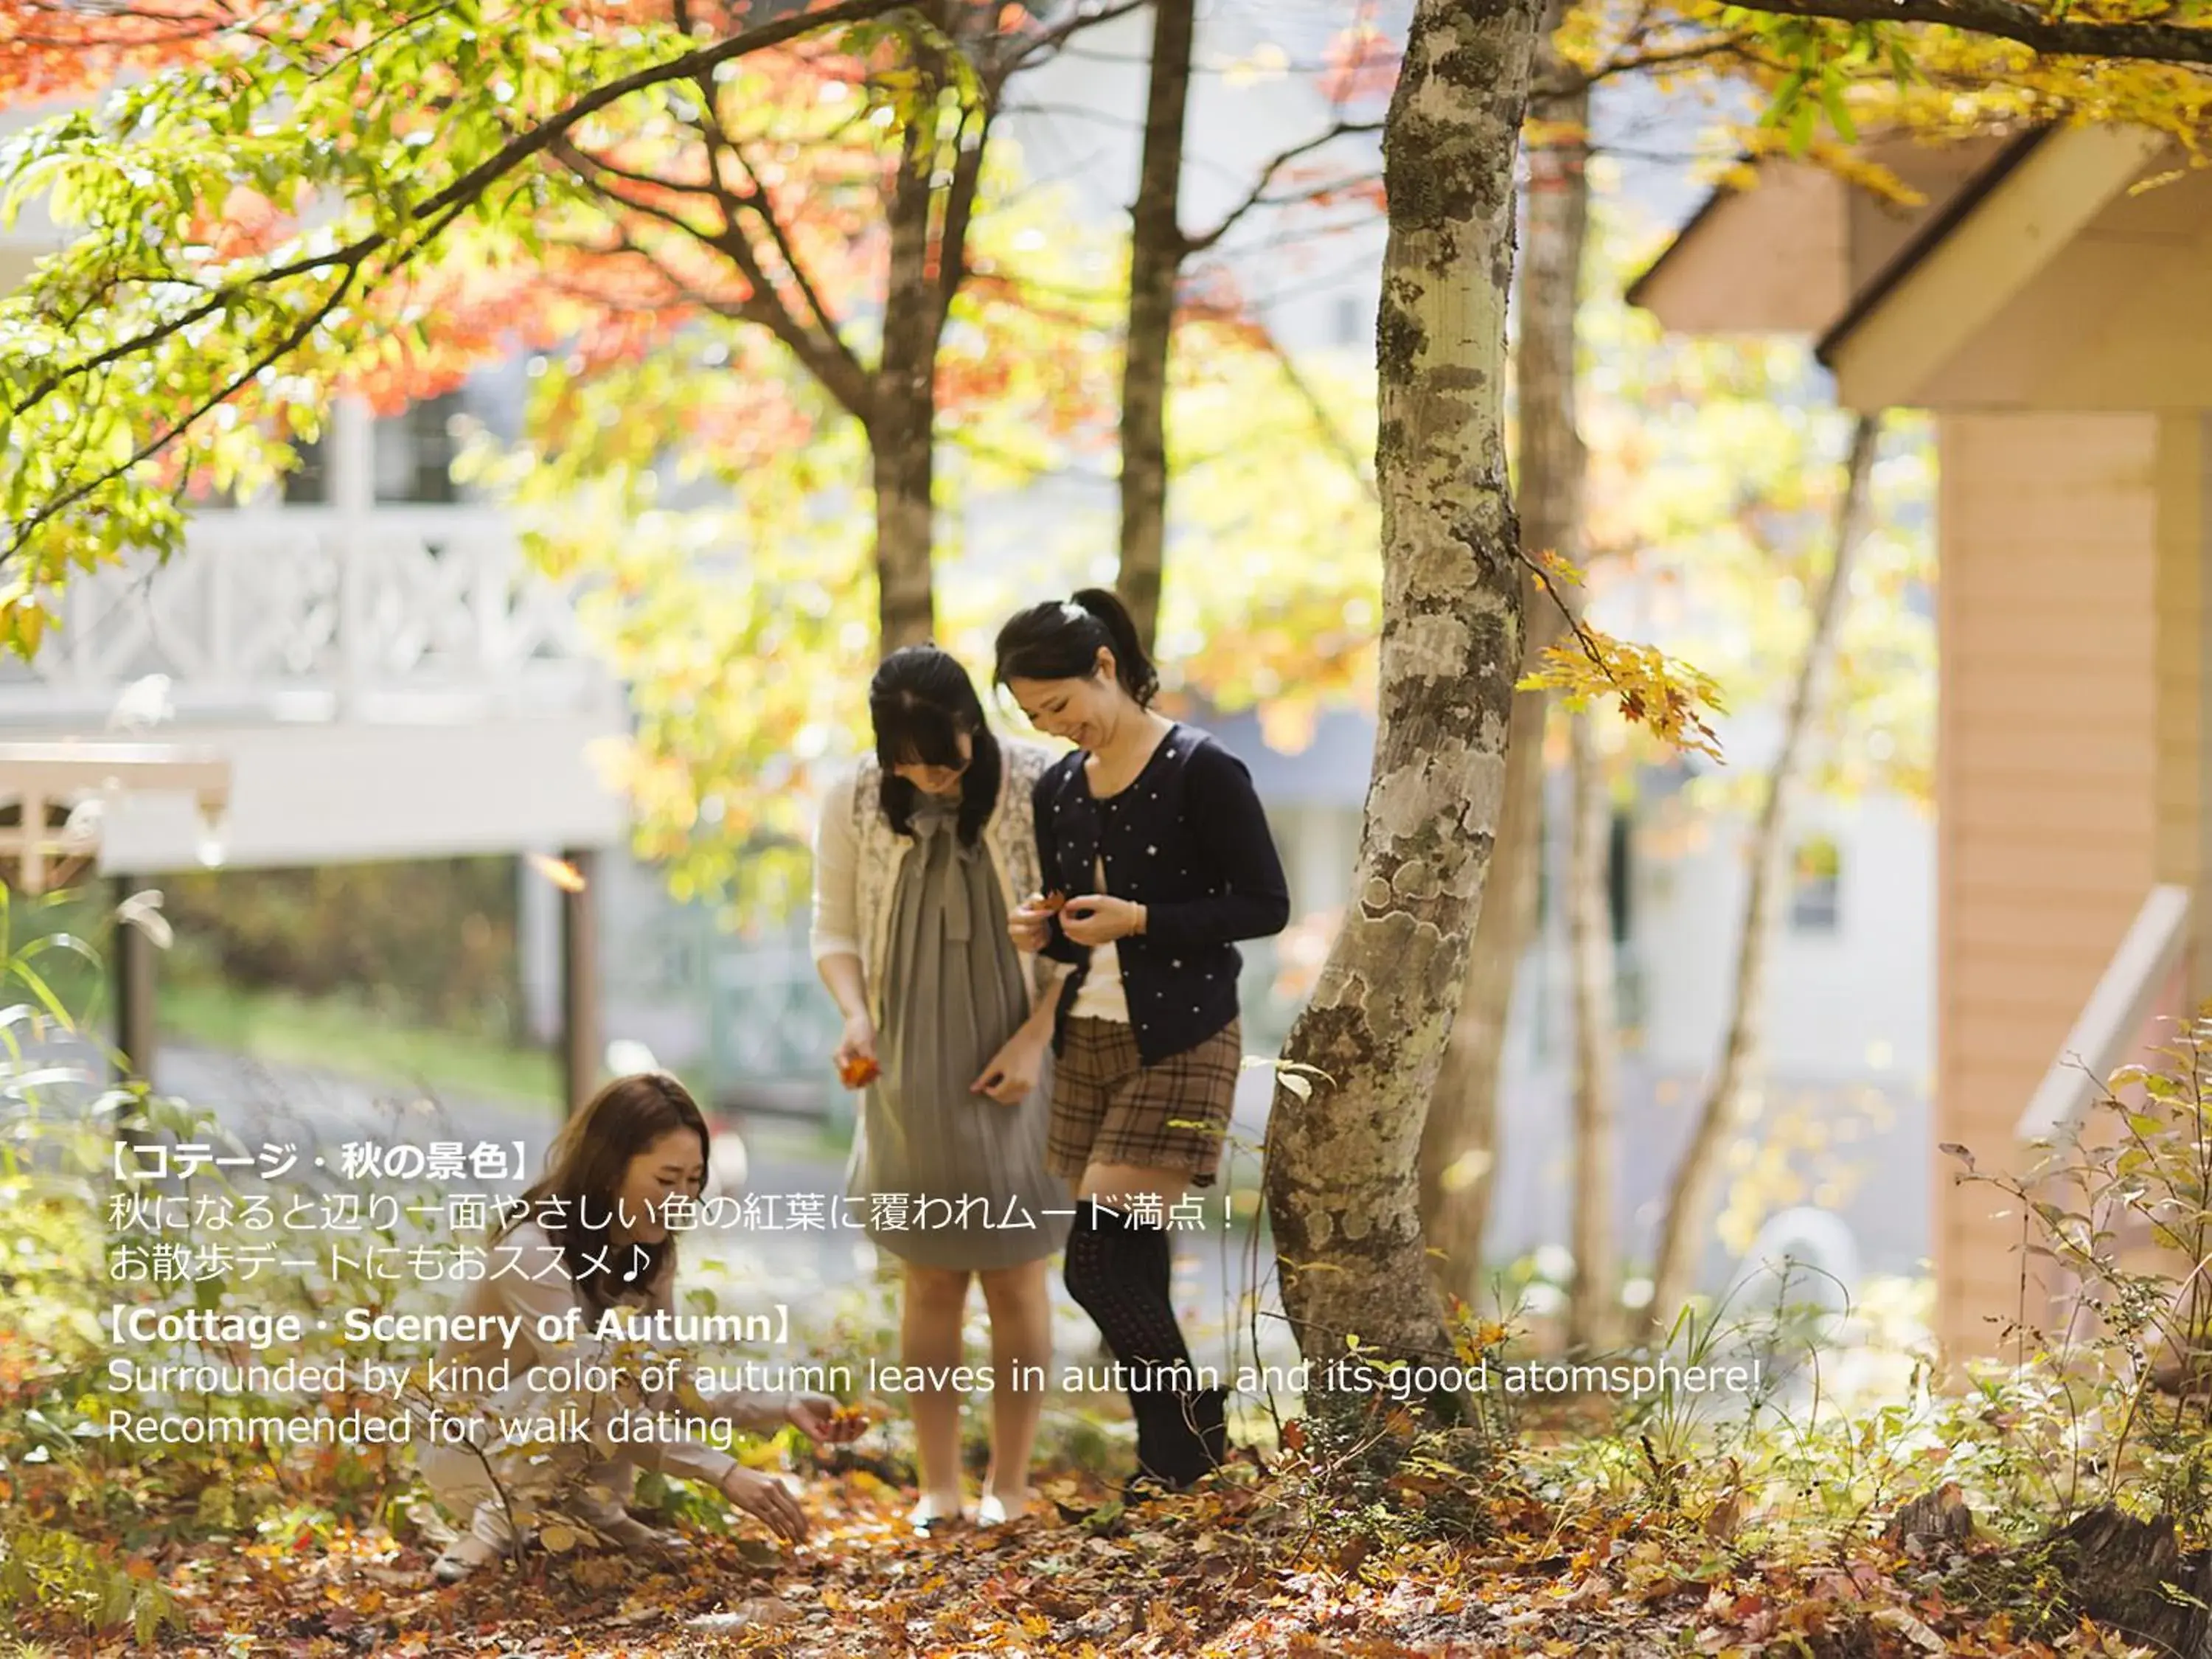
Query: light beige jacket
x=857, y=857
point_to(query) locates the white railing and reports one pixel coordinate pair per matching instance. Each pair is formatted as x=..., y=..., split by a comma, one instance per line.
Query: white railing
x=310, y=613
x=2112, y=1023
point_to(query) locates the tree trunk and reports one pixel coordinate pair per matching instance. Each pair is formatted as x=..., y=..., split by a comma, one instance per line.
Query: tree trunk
x=904, y=469
x=1343, y=1193
x=902, y=418
x=1460, y=1147
x=1157, y=248
x=1732, y=1097
x=1460, y=1141
x=1596, y=978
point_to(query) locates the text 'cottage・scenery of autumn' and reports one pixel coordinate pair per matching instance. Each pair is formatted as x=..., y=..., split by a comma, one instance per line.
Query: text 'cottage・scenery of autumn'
x=1290, y=828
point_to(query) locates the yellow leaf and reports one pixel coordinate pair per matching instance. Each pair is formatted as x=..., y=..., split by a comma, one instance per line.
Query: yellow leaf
x=562, y=873
x=558, y=1540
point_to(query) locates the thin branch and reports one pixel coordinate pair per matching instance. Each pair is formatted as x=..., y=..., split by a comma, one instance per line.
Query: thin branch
x=678, y=286
x=845, y=380
x=291, y=343
x=1549, y=582
x=840, y=370
x=761, y=206
x=960, y=209
x=587, y=171
x=1333, y=436
x=576, y=158
x=1657, y=57
x=477, y=179
x=1060, y=34
x=1071, y=112
x=2010, y=20
x=400, y=26
x=1257, y=197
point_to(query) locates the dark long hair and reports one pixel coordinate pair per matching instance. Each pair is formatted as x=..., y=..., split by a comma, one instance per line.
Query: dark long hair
x=1061, y=639
x=920, y=701
x=585, y=1169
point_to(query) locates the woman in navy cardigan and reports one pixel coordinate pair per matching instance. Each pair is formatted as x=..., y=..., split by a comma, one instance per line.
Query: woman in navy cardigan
x=1156, y=830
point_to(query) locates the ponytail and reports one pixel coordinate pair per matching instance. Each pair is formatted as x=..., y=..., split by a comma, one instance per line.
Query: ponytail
x=1062, y=641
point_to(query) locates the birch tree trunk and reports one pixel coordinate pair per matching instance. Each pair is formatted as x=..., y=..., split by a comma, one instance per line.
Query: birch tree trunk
x=1594, y=975
x=1460, y=1141
x=1459, y=1146
x=1156, y=251
x=1342, y=1185
x=1732, y=1097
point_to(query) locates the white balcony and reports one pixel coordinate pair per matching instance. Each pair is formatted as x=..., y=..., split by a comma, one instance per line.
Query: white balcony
x=313, y=616
x=388, y=681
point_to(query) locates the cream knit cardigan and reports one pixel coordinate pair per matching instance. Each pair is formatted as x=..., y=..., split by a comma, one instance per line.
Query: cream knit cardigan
x=857, y=857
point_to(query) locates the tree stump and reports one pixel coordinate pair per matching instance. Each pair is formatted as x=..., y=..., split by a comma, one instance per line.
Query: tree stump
x=2132, y=1575
x=1937, y=1517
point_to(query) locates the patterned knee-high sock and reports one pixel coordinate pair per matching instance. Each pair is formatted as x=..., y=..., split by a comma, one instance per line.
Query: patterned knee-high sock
x=1119, y=1271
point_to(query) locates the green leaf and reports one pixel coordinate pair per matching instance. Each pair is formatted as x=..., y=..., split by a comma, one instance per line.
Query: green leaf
x=1804, y=121
x=1839, y=117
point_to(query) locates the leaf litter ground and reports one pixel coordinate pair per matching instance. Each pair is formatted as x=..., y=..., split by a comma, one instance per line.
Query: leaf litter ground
x=1249, y=1566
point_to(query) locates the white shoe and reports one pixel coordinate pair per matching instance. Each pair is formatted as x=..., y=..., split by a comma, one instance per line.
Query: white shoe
x=932, y=1512
x=994, y=1511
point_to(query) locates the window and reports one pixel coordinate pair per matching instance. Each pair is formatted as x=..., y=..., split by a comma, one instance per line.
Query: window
x=414, y=452
x=1619, y=876
x=1545, y=899
x=1816, y=869
x=1355, y=323
x=308, y=484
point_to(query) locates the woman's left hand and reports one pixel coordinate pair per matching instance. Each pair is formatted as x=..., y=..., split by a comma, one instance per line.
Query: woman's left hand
x=1013, y=1070
x=816, y=1416
x=1100, y=919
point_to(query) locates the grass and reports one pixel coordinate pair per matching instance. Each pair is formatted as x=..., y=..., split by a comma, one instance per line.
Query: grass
x=336, y=1034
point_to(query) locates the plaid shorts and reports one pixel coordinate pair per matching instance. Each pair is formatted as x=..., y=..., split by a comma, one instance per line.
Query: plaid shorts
x=1108, y=1107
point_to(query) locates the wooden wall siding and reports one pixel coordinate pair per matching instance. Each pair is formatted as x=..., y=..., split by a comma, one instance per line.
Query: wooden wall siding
x=2184, y=549
x=1765, y=260
x=2053, y=347
x=2048, y=829
x=1879, y=228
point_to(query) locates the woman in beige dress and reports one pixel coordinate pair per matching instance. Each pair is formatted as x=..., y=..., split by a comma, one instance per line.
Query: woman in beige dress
x=920, y=855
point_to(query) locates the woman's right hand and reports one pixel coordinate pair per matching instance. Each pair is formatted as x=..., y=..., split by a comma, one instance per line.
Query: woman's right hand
x=1029, y=926
x=766, y=1498
x=858, y=1044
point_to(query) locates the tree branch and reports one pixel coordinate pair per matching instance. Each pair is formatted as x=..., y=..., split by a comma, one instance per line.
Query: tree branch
x=38, y=517
x=1060, y=34
x=1637, y=62
x=1333, y=436
x=757, y=202
x=1257, y=195
x=823, y=354
x=2009, y=20
x=476, y=181
x=578, y=160
x=960, y=208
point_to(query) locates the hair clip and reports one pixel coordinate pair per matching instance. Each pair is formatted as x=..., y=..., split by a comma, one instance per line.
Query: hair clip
x=1072, y=612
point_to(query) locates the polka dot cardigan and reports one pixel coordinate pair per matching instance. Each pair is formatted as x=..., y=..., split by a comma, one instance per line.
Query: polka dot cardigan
x=1188, y=841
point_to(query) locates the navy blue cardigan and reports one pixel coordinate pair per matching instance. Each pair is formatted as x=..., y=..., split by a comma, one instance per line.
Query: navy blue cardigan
x=1188, y=841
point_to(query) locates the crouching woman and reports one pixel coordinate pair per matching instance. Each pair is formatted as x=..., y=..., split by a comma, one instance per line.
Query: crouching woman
x=593, y=1234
